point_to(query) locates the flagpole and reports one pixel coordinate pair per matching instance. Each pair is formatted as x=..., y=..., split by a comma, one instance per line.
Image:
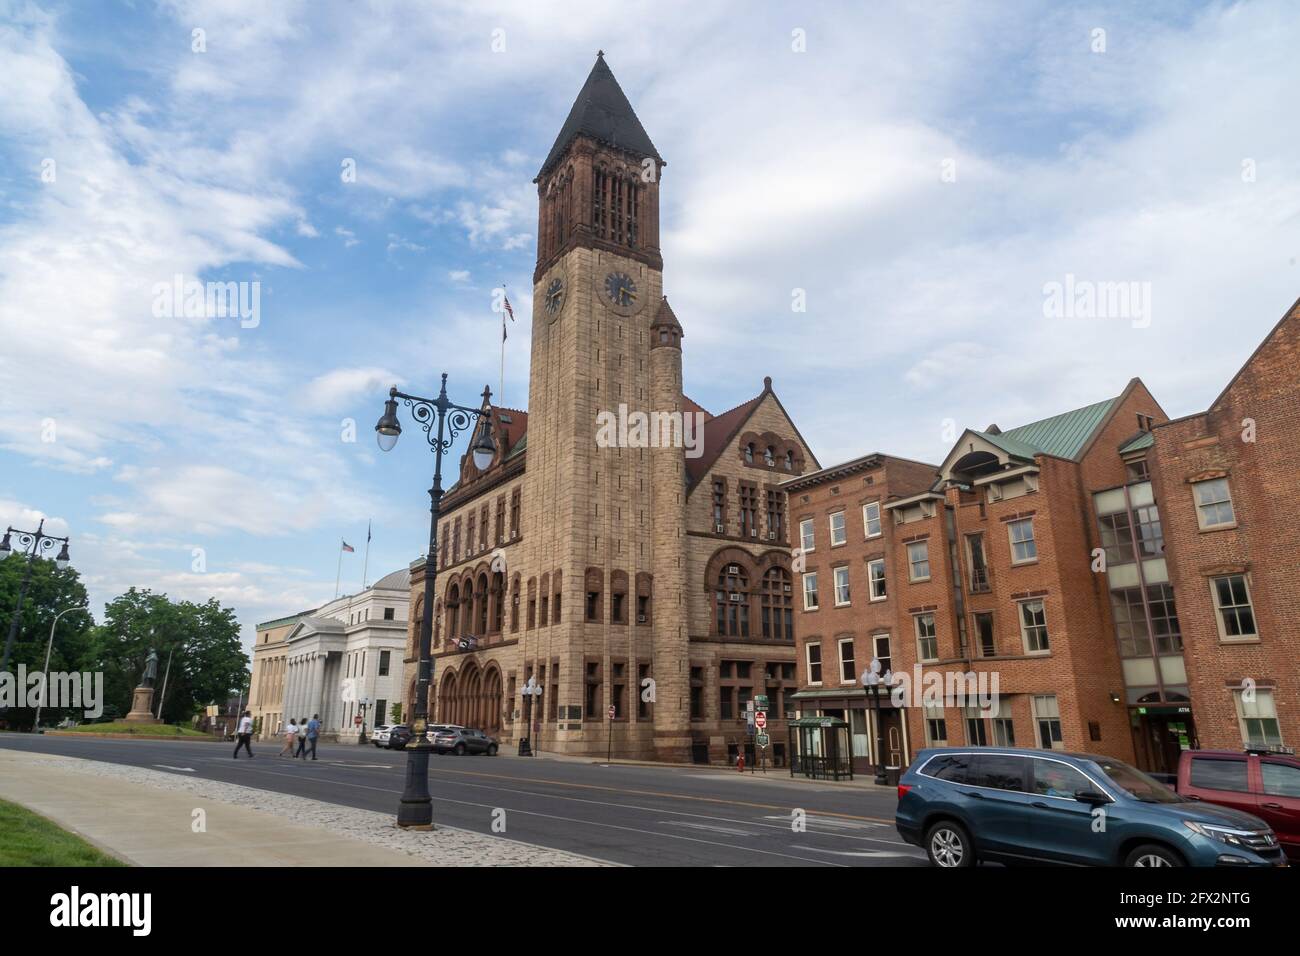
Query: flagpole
x=501, y=392
x=339, y=573
x=366, y=566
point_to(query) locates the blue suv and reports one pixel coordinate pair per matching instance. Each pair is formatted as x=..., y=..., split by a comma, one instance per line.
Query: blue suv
x=1045, y=806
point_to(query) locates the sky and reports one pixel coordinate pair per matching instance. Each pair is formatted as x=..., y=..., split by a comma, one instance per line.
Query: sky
x=870, y=203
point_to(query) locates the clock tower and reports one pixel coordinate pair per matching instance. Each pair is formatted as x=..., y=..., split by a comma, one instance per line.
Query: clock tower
x=605, y=520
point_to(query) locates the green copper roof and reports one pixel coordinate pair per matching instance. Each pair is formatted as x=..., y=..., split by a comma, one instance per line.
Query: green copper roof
x=1137, y=443
x=1061, y=435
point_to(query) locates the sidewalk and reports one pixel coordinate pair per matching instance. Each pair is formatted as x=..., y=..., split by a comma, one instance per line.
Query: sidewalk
x=147, y=818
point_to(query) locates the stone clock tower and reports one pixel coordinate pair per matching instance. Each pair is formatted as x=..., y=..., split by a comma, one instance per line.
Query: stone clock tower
x=608, y=522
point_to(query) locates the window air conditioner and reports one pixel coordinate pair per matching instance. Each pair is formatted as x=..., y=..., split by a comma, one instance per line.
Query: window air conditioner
x=720, y=528
x=735, y=597
x=733, y=569
x=640, y=618
x=771, y=536
x=753, y=532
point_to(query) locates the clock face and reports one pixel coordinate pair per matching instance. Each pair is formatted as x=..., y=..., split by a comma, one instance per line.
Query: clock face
x=554, y=297
x=620, y=289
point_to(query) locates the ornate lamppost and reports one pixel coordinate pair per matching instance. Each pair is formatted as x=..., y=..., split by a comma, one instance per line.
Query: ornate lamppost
x=873, y=681
x=442, y=421
x=33, y=544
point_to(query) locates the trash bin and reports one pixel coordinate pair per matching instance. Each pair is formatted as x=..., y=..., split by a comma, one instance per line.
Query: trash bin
x=525, y=747
x=892, y=774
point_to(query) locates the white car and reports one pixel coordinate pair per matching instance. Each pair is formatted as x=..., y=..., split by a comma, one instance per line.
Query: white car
x=380, y=735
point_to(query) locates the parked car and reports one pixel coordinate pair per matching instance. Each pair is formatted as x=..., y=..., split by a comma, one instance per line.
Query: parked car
x=1262, y=781
x=464, y=740
x=400, y=735
x=380, y=735
x=1047, y=806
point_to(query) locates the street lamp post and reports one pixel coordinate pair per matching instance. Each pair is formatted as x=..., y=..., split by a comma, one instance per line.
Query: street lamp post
x=45, y=674
x=33, y=544
x=531, y=691
x=442, y=421
x=873, y=681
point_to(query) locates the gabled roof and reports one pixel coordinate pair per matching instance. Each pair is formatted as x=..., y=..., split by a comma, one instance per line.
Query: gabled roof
x=1138, y=442
x=1062, y=436
x=718, y=432
x=602, y=112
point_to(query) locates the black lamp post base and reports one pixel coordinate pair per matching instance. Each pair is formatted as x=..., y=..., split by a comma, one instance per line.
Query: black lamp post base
x=415, y=814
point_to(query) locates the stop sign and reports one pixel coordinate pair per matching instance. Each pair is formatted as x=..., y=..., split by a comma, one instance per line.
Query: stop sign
x=760, y=719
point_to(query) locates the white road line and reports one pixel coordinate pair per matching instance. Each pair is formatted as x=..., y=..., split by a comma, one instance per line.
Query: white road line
x=179, y=769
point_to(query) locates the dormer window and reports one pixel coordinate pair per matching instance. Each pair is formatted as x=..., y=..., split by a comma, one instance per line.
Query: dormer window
x=749, y=453
x=789, y=461
x=769, y=456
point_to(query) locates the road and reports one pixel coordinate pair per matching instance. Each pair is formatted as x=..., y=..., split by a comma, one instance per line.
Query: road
x=640, y=816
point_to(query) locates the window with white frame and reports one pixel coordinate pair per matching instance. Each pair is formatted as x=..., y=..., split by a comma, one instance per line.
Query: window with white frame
x=1033, y=627
x=927, y=641
x=841, y=586
x=1257, y=715
x=847, y=672
x=838, y=533
x=814, y=653
x=1023, y=546
x=810, y=591
x=876, y=579
x=1233, y=608
x=977, y=733
x=807, y=534
x=880, y=647
x=936, y=727
x=1004, y=731
x=1214, y=503
x=918, y=561
x=871, y=519
x=1047, y=718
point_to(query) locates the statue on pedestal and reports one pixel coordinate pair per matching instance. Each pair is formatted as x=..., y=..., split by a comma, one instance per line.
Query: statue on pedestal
x=142, y=698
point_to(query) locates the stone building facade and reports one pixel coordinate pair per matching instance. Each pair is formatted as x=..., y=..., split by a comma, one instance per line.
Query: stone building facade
x=636, y=569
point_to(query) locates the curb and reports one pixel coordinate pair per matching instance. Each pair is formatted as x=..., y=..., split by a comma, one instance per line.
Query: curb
x=151, y=737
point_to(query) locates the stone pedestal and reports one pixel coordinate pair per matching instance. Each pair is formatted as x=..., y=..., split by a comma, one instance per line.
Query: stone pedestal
x=142, y=707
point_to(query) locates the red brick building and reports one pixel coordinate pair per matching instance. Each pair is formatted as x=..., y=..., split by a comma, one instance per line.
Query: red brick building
x=1228, y=479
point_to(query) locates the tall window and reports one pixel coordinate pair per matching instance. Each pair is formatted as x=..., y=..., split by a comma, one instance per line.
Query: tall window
x=838, y=533
x=470, y=524
x=697, y=693
x=880, y=648
x=1116, y=538
x=976, y=732
x=483, y=528
x=876, y=579
x=871, y=519
x=841, y=586
x=984, y=634
x=1257, y=715
x=1033, y=627
x=778, y=605
x=979, y=568
x=814, y=652
x=810, y=591
x=719, y=505
x=748, y=510
x=1232, y=606
x=1023, y=546
x=936, y=727
x=918, y=561
x=1047, y=719
x=732, y=602
x=1004, y=730
x=1150, y=535
x=592, y=697
x=501, y=520
x=848, y=673
x=775, y=516
x=927, y=642
x=385, y=658
x=769, y=456
x=455, y=543
x=1214, y=503
x=615, y=207
x=514, y=514
x=807, y=534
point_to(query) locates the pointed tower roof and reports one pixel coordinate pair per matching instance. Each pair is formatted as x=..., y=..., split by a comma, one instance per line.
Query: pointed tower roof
x=666, y=318
x=602, y=112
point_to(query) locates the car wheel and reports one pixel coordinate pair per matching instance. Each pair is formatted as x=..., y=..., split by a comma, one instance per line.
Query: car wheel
x=492, y=750
x=948, y=845
x=1151, y=854
x=460, y=750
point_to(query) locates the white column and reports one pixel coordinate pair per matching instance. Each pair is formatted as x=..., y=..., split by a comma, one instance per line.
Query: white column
x=314, y=705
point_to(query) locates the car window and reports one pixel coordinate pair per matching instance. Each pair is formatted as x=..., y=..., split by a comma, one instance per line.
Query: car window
x=1053, y=779
x=955, y=768
x=1280, y=779
x=1135, y=783
x=1219, y=774
x=1000, y=772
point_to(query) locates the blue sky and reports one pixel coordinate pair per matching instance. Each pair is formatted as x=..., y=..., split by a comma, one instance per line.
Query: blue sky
x=820, y=170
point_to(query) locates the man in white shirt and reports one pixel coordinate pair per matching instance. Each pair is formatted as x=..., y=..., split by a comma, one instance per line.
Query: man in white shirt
x=245, y=734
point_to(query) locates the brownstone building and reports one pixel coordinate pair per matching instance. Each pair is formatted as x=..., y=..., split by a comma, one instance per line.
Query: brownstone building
x=1228, y=477
x=1131, y=581
x=643, y=569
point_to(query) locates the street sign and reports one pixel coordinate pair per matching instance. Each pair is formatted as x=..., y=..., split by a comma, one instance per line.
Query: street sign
x=357, y=720
x=762, y=740
x=611, y=711
x=760, y=719
x=760, y=702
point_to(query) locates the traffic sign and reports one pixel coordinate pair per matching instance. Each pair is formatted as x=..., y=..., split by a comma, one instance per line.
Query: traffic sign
x=762, y=740
x=611, y=711
x=760, y=702
x=760, y=719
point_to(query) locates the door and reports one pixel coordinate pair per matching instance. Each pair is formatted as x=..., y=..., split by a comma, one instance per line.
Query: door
x=1065, y=829
x=1279, y=801
x=998, y=803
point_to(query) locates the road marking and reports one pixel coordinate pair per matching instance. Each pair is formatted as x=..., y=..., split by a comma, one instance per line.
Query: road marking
x=729, y=831
x=873, y=854
x=835, y=824
x=179, y=769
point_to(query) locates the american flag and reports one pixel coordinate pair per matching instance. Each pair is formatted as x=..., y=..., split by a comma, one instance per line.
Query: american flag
x=348, y=548
x=507, y=310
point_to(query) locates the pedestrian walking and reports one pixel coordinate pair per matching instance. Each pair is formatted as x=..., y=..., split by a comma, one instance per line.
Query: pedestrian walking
x=302, y=739
x=244, y=734
x=313, y=731
x=290, y=738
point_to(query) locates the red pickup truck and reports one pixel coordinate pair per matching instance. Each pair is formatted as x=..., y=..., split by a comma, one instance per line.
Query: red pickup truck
x=1265, y=782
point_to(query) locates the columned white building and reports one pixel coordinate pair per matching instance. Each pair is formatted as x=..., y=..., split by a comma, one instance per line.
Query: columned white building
x=344, y=660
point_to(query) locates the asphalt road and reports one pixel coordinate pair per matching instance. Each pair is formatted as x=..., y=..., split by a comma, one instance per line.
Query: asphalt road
x=641, y=816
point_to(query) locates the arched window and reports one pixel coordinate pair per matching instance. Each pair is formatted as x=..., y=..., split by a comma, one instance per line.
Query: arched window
x=498, y=601
x=789, y=460
x=749, y=453
x=481, y=605
x=514, y=605
x=731, y=602
x=453, y=612
x=769, y=456
x=778, y=605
